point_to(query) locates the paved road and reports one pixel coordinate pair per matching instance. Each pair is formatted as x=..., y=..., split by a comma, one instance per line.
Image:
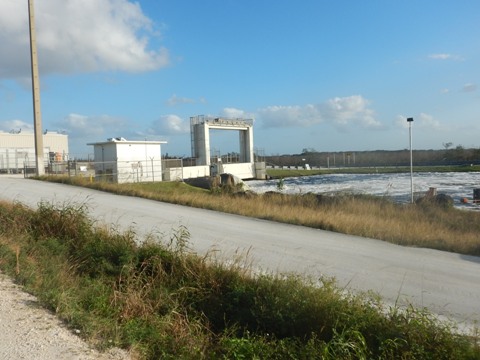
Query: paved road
x=447, y=284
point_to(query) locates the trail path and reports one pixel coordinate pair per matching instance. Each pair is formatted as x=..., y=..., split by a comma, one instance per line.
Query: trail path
x=30, y=332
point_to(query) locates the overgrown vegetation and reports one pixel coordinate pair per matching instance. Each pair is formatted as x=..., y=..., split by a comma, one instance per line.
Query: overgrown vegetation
x=426, y=225
x=162, y=302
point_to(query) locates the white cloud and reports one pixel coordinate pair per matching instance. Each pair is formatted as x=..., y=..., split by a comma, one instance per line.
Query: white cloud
x=425, y=121
x=175, y=100
x=341, y=112
x=15, y=125
x=286, y=116
x=91, y=128
x=469, y=87
x=401, y=121
x=78, y=36
x=169, y=125
x=235, y=113
x=444, y=56
x=350, y=110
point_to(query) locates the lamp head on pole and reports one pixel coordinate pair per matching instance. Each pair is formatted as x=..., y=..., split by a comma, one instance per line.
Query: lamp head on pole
x=409, y=120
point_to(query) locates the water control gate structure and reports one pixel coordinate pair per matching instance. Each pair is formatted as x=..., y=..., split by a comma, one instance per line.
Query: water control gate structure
x=200, y=136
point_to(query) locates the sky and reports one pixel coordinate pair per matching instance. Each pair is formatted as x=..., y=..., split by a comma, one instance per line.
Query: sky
x=321, y=75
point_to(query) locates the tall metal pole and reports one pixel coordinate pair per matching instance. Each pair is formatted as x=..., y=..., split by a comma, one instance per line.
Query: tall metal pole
x=37, y=115
x=410, y=120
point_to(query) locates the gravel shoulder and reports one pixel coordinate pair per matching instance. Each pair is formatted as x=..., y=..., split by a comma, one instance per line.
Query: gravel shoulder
x=28, y=331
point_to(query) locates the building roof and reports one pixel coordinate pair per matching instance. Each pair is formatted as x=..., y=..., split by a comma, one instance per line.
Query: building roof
x=121, y=140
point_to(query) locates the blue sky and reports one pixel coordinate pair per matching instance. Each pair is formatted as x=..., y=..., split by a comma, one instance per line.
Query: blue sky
x=324, y=75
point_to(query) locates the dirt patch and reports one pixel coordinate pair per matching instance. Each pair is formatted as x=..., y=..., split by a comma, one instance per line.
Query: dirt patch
x=28, y=331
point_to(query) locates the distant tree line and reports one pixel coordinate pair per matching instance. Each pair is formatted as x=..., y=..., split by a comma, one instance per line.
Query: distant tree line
x=449, y=156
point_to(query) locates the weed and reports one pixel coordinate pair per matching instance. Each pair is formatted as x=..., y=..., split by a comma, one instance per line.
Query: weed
x=280, y=184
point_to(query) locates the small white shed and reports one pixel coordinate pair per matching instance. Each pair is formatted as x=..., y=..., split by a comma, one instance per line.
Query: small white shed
x=124, y=161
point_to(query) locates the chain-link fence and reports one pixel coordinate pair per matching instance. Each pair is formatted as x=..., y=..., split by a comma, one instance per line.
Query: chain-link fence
x=135, y=171
x=110, y=171
x=115, y=171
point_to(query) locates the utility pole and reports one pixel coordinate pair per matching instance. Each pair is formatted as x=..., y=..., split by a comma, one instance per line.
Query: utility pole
x=37, y=115
x=410, y=120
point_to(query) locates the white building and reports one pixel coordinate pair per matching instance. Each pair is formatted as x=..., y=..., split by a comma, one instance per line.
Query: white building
x=124, y=161
x=17, y=149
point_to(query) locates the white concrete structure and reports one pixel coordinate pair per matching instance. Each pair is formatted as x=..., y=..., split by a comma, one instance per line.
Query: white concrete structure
x=186, y=172
x=200, y=132
x=17, y=149
x=200, y=127
x=123, y=161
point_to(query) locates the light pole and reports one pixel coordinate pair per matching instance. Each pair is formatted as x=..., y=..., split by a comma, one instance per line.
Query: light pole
x=37, y=115
x=410, y=120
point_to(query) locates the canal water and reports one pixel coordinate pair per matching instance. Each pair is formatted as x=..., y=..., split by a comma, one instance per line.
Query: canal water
x=458, y=185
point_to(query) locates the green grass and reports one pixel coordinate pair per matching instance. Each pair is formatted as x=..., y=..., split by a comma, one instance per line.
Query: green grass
x=163, y=190
x=160, y=301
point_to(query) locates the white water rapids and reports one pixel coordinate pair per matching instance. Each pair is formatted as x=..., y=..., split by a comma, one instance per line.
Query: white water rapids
x=396, y=186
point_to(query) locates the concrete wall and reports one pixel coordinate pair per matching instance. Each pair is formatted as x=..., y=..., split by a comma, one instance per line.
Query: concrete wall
x=18, y=149
x=200, y=132
x=52, y=141
x=138, y=163
x=246, y=145
x=188, y=172
x=105, y=152
x=14, y=160
x=241, y=170
x=128, y=161
x=202, y=144
x=260, y=170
